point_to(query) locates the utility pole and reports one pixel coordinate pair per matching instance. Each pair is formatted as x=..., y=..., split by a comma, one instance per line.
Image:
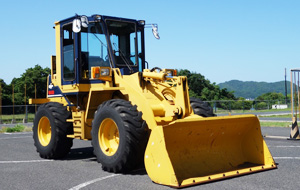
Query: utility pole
x=25, y=106
x=13, y=101
x=285, y=85
x=1, y=103
x=35, y=96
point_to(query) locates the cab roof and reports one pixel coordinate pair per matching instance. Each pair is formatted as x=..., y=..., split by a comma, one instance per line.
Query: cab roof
x=95, y=17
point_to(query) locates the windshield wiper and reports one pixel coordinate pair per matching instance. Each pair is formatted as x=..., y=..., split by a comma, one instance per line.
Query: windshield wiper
x=102, y=44
x=123, y=58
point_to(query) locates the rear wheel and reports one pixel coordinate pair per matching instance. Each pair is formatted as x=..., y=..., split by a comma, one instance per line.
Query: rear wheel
x=119, y=136
x=50, y=131
x=201, y=108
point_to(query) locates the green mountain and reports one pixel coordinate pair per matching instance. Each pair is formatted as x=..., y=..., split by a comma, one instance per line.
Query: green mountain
x=251, y=89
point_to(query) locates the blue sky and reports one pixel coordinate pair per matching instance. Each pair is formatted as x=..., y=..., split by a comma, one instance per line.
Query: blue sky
x=221, y=39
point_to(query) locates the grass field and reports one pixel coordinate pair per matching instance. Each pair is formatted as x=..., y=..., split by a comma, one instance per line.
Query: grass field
x=18, y=118
x=16, y=128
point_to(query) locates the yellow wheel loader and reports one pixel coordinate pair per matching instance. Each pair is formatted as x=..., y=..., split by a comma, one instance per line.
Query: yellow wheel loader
x=101, y=89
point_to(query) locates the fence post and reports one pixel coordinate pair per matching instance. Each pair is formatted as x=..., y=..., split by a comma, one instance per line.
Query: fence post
x=215, y=106
x=25, y=118
x=35, y=96
x=1, y=103
x=13, y=100
x=243, y=106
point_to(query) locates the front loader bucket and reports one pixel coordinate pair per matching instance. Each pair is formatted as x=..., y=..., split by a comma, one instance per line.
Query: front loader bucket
x=198, y=150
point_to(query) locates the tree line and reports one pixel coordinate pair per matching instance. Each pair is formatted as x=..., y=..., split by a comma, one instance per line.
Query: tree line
x=199, y=87
x=32, y=78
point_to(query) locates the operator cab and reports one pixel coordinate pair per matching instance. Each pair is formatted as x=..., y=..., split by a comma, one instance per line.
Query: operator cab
x=100, y=41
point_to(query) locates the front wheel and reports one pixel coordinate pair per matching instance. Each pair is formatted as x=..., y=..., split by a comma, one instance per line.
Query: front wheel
x=50, y=131
x=119, y=136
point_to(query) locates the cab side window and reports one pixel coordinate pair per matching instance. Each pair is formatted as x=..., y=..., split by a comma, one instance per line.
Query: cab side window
x=68, y=53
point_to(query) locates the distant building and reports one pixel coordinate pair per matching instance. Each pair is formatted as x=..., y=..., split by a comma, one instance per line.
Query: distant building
x=279, y=106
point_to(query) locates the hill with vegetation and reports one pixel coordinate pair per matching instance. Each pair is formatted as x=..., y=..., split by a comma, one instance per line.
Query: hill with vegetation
x=251, y=89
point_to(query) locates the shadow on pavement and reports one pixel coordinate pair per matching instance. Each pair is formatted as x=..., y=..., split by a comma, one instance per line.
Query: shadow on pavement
x=81, y=153
x=88, y=155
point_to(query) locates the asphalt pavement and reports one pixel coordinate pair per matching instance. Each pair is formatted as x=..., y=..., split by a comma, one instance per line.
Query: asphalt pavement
x=22, y=168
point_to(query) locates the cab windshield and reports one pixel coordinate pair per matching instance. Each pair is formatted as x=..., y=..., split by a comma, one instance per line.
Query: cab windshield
x=94, y=51
x=125, y=40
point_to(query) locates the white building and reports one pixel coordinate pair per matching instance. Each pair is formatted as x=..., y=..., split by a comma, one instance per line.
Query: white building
x=279, y=106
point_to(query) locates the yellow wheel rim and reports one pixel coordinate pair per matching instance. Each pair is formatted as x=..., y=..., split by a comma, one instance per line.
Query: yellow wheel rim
x=108, y=137
x=44, y=131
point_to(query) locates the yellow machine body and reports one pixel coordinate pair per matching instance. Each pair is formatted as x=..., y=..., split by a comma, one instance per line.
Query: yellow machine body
x=183, y=148
x=198, y=150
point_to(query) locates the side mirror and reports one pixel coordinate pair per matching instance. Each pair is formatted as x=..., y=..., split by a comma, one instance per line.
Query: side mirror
x=78, y=22
x=84, y=21
x=76, y=25
x=155, y=31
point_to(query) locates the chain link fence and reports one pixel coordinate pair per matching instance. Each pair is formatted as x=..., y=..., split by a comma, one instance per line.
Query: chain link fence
x=25, y=113
x=247, y=105
x=17, y=114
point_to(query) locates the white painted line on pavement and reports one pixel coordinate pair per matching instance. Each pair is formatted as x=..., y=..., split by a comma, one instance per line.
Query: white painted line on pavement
x=286, y=158
x=263, y=114
x=15, y=137
x=23, y=161
x=275, y=137
x=282, y=121
x=92, y=181
x=284, y=146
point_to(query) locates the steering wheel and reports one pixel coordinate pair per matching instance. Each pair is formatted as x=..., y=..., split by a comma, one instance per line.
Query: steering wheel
x=155, y=69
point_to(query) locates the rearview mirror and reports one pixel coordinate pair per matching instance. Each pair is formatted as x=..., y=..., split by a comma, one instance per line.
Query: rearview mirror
x=78, y=22
x=84, y=21
x=76, y=25
x=155, y=31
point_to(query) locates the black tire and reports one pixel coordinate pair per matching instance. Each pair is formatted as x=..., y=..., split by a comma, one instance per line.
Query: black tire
x=132, y=136
x=56, y=145
x=201, y=108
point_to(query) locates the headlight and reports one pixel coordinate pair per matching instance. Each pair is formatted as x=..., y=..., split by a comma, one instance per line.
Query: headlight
x=101, y=73
x=104, y=72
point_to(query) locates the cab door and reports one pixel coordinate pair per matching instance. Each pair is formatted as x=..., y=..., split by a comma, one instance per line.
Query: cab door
x=69, y=55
